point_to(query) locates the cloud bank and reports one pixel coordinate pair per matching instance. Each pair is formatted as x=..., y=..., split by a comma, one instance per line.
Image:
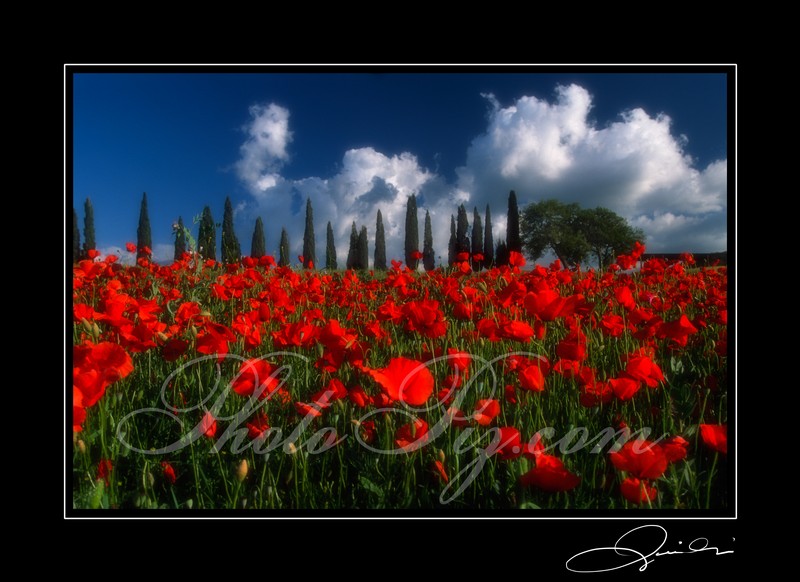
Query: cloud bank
x=541, y=149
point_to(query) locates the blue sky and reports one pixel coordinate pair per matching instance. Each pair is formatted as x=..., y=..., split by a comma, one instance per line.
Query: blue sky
x=653, y=147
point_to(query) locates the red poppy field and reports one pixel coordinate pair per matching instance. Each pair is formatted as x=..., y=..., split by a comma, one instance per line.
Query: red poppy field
x=252, y=386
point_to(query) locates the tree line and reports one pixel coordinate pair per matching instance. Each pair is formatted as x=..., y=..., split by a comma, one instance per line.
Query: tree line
x=573, y=234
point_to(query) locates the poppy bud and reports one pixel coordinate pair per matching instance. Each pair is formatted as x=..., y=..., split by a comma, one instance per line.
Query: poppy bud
x=241, y=471
x=441, y=455
x=82, y=446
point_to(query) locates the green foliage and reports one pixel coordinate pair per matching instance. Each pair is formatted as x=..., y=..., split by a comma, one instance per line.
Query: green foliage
x=76, y=237
x=488, y=240
x=309, y=241
x=89, y=242
x=231, y=250
x=555, y=226
x=283, y=251
x=608, y=234
x=477, y=239
x=258, y=247
x=330, y=250
x=513, y=240
x=380, y=245
x=428, y=254
x=207, y=237
x=180, y=239
x=143, y=235
x=573, y=233
x=412, y=233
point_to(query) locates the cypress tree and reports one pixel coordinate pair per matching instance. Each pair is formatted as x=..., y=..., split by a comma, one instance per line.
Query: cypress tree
x=352, y=252
x=513, y=241
x=143, y=235
x=462, y=228
x=88, y=227
x=451, y=246
x=363, y=249
x=412, y=232
x=283, y=251
x=76, y=237
x=180, y=240
x=477, y=239
x=309, y=241
x=231, y=250
x=501, y=257
x=258, y=247
x=428, y=256
x=207, y=236
x=488, y=240
x=379, y=262
x=330, y=250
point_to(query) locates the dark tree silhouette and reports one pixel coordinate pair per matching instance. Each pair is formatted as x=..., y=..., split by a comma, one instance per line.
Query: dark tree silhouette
x=231, y=249
x=379, y=262
x=488, y=241
x=258, y=246
x=309, y=241
x=428, y=255
x=180, y=240
x=330, y=250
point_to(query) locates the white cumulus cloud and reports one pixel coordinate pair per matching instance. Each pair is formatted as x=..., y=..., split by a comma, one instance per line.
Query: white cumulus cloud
x=541, y=149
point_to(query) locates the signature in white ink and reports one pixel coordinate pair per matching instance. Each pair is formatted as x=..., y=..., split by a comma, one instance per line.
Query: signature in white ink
x=630, y=551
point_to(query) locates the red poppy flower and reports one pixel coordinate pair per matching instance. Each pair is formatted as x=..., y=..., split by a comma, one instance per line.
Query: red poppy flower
x=208, y=425
x=258, y=425
x=675, y=448
x=550, y=475
x=169, y=472
x=358, y=397
x=507, y=443
x=678, y=330
x=412, y=436
x=517, y=330
x=612, y=325
x=425, y=317
x=715, y=437
x=641, y=458
x=460, y=257
x=405, y=380
x=458, y=360
x=174, y=349
x=367, y=430
x=305, y=409
x=130, y=247
x=416, y=255
x=92, y=254
x=636, y=491
x=546, y=304
x=438, y=470
x=516, y=259
x=624, y=388
x=486, y=410
x=572, y=347
x=531, y=378
x=645, y=370
x=104, y=469
x=255, y=376
x=595, y=393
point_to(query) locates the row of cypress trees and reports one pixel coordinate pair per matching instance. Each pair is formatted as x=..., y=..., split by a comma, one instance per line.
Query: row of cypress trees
x=481, y=245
